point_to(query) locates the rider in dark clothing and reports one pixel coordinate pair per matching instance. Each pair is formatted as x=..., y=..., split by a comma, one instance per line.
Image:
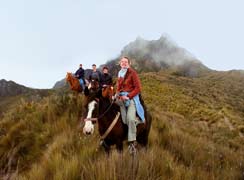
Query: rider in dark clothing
x=80, y=74
x=95, y=74
x=106, y=78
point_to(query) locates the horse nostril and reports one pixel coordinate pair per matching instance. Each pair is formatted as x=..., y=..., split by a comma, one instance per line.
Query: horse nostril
x=88, y=133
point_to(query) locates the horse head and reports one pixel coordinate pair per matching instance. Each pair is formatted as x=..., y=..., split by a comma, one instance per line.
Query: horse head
x=91, y=106
x=94, y=85
x=95, y=96
x=108, y=91
x=90, y=115
x=68, y=77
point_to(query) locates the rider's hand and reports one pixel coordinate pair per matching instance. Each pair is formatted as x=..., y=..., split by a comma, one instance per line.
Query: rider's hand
x=124, y=97
x=114, y=96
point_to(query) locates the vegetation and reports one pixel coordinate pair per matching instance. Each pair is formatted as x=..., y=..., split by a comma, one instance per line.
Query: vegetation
x=197, y=133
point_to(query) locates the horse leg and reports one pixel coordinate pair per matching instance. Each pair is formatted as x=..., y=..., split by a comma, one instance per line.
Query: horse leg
x=119, y=146
x=105, y=146
x=142, y=138
x=143, y=131
x=107, y=150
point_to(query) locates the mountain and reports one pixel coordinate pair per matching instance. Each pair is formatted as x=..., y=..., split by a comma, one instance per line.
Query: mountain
x=60, y=84
x=10, y=88
x=155, y=55
x=11, y=93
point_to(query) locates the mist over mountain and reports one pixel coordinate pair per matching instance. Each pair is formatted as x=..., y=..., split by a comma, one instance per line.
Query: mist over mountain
x=155, y=55
x=163, y=51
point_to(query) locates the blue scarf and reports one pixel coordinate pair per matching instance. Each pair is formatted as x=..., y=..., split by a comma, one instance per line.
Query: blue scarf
x=122, y=72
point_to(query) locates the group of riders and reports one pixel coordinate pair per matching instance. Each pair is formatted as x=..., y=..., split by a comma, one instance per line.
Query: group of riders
x=103, y=78
x=127, y=94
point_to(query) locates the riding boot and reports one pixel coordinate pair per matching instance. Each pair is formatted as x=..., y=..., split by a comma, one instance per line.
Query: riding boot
x=132, y=147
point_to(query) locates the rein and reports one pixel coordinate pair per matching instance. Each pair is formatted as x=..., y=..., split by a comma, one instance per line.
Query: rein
x=91, y=119
x=111, y=126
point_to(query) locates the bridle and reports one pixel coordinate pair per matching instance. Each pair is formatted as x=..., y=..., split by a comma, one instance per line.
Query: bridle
x=99, y=117
x=103, y=114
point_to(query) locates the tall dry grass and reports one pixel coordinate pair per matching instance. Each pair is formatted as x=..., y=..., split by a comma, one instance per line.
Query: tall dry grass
x=188, y=139
x=172, y=154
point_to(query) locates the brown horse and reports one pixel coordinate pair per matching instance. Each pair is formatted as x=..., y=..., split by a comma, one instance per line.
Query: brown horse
x=101, y=106
x=73, y=82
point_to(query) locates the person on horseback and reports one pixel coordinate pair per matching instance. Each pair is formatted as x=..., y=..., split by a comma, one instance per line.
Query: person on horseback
x=106, y=78
x=128, y=90
x=95, y=74
x=80, y=74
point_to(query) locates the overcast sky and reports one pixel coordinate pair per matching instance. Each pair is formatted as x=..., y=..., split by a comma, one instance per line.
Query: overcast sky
x=41, y=40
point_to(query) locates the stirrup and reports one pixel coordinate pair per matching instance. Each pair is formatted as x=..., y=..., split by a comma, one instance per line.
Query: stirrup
x=132, y=148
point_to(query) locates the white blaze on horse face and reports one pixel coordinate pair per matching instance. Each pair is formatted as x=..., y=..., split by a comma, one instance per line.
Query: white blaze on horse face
x=89, y=127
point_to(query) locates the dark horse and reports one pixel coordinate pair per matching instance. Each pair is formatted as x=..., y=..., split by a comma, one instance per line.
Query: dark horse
x=104, y=110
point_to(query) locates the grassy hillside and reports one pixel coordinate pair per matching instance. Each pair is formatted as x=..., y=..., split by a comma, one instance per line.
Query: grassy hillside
x=6, y=102
x=197, y=133
x=10, y=101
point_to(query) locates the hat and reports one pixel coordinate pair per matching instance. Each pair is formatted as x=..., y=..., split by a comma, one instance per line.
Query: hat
x=80, y=64
x=94, y=65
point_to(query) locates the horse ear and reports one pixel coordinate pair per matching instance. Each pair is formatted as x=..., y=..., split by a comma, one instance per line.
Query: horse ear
x=114, y=85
